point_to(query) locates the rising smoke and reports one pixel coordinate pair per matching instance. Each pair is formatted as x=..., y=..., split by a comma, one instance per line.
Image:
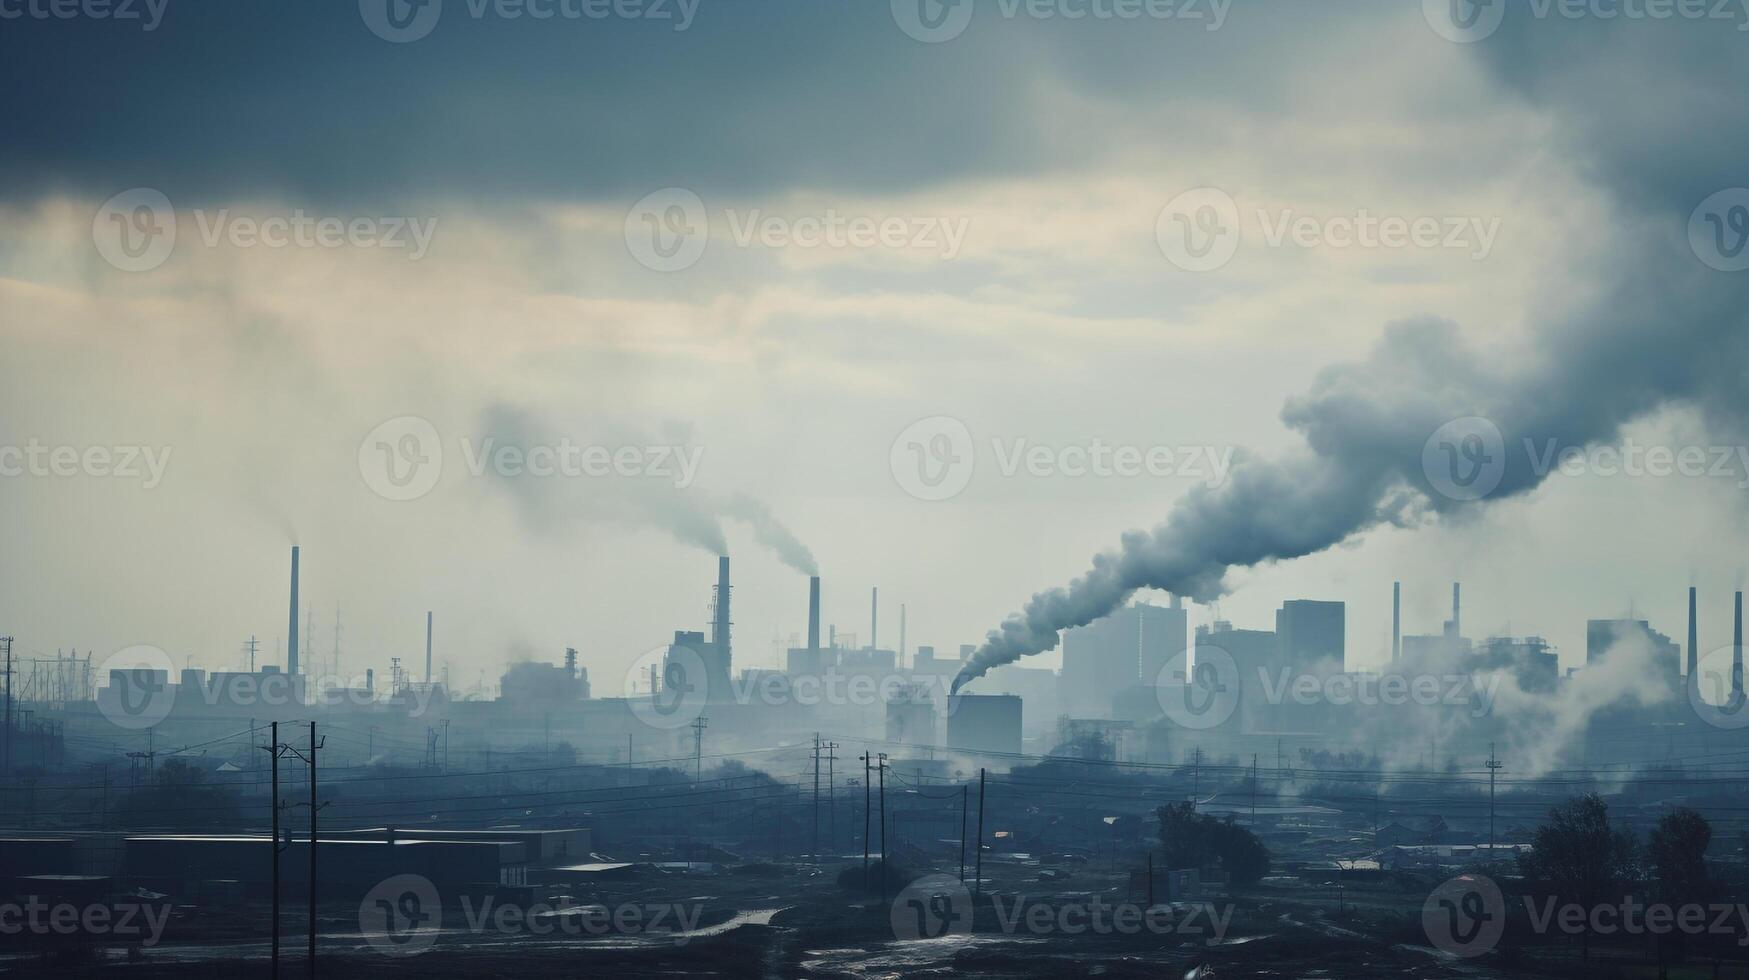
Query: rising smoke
x=691, y=514
x=1661, y=329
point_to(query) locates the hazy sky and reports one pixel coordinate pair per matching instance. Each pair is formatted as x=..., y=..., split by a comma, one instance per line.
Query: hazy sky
x=488, y=268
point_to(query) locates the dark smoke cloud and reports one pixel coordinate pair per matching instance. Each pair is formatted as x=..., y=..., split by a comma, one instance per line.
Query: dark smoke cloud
x=1662, y=329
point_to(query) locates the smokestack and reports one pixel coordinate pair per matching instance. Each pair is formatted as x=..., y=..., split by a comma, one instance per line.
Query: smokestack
x=901, y=634
x=291, y=655
x=1457, y=625
x=1396, y=621
x=1737, y=652
x=428, y=648
x=720, y=628
x=813, y=612
x=1693, y=641
x=874, y=618
x=370, y=680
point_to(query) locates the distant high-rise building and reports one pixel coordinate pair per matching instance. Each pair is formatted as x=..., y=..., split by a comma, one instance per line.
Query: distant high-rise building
x=1132, y=645
x=1313, y=635
x=1258, y=659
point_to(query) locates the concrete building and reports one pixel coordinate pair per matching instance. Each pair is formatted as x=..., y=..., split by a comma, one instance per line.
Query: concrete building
x=1313, y=636
x=984, y=723
x=1132, y=645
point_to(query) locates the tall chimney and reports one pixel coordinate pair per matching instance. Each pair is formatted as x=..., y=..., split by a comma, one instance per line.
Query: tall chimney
x=428, y=648
x=1737, y=651
x=1396, y=621
x=720, y=627
x=901, y=634
x=813, y=612
x=1457, y=625
x=1693, y=641
x=291, y=655
x=874, y=618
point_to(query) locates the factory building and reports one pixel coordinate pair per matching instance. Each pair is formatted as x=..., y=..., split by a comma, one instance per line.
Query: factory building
x=984, y=723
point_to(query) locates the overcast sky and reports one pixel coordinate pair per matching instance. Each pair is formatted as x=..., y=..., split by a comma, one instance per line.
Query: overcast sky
x=495, y=266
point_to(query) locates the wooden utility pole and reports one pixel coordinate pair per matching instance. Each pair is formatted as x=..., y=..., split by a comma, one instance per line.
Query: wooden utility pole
x=980, y=849
x=816, y=846
x=6, y=766
x=831, y=797
x=882, y=756
x=965, y=796
x=313, y=808
x=698, y=726
x=273, y=750
x=865, y=808
x=1494, y=765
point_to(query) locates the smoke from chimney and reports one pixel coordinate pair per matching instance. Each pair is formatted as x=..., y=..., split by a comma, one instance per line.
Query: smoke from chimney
x=291, y=657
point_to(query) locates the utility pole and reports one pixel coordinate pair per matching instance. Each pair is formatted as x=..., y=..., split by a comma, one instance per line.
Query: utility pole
x=865, y=806
x=831, y=797
x=884, y=868
x=273, y=750
x=6, y=766
x=698, y=726
x=1253, y=790
x=816, y=846
x=1196, y=779
x=965, y=797
x=6, y=762
x=314, y=806
x=979, y=883
x=1493, y=767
